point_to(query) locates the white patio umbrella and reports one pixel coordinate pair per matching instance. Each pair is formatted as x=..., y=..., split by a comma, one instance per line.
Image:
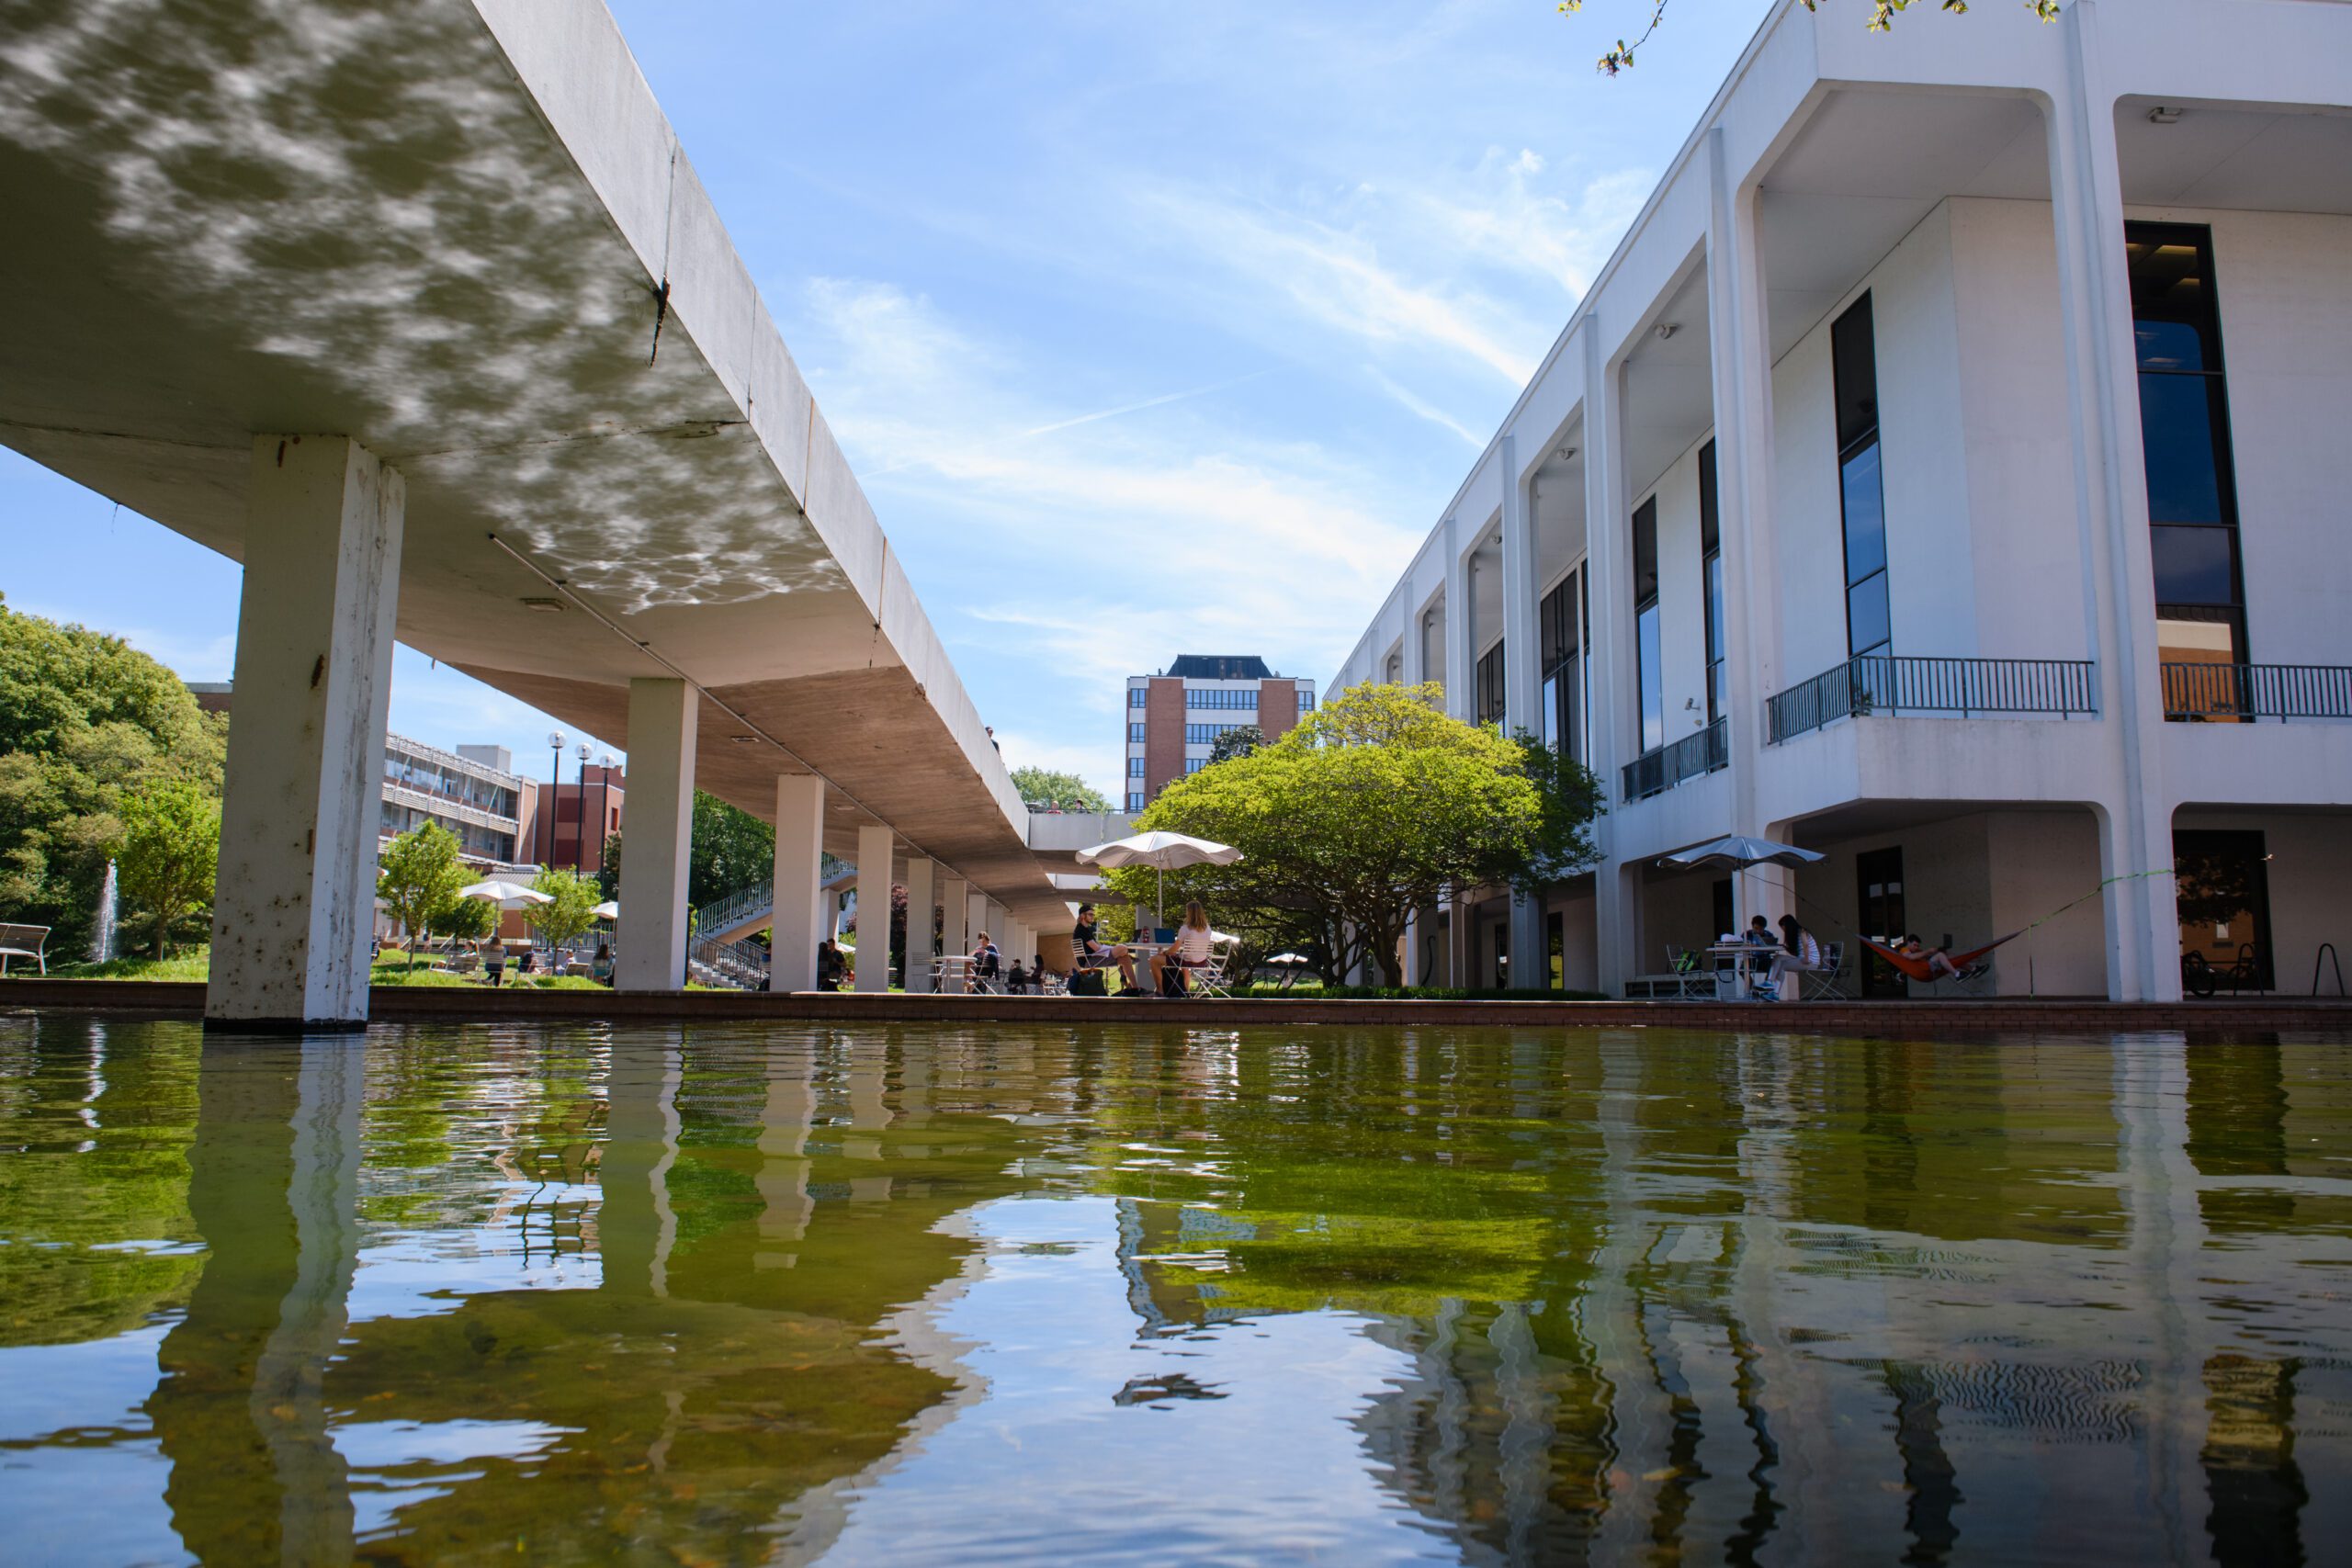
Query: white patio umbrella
x=1163, y=852
x=505, y=895
x=1735, y=852
x=610, y=910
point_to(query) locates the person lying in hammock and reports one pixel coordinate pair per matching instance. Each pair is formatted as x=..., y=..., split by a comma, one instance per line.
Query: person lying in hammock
x=1937, y=961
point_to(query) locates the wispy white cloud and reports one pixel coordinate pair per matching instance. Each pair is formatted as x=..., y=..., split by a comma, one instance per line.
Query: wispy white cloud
x=1427, y=410
x=1146, y=403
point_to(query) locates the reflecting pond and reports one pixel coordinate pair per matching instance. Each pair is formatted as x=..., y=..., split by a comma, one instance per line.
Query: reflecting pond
x=897, y=1295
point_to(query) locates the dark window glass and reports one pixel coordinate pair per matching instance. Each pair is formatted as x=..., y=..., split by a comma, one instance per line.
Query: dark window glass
x=1489, y=688
x=1551, y=731
x=2195, y=565
x=1864, y=495
x=1710, y=523
x=1714, y=637
x=1551, y=619
x=1653, y=691
x=1866, y=628
x=1646, y=552
x=2184, y=444
x=1853, y=354
x=1134, y=767
x=2180, y=429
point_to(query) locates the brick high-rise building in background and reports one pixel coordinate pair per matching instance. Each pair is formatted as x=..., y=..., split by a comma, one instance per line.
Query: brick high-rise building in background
x=1175, y=718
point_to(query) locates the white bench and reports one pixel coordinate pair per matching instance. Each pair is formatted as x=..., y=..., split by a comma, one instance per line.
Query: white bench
x=24, y=941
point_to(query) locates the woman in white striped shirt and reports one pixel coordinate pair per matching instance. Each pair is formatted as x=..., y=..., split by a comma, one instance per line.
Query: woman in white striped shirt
x=1189, y=951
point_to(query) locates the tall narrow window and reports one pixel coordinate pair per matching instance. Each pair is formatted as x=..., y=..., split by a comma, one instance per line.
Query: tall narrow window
x=1562, y=673
x=1711, y=556
x=1649, y=682
x=1853, y=354
x=1489, y=689
x=2184, y=438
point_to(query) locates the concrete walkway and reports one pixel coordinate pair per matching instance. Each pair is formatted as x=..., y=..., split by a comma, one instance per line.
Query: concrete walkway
x=404, y=1004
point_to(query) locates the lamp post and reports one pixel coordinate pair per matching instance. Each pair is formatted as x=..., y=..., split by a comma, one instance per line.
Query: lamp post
x=604, y=812
x=580, y=842
x=555, y=770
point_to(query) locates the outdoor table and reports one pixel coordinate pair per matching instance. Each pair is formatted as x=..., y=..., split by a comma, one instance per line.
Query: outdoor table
x=1731, y=971
x=951, y=972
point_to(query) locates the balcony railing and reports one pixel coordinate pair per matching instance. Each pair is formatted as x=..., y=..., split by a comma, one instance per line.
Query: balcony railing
x=1654, y=773
x=1882, y=684
x=2242, y=694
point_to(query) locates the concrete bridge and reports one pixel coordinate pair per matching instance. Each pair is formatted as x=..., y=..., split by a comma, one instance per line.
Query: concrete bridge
x=422, y=313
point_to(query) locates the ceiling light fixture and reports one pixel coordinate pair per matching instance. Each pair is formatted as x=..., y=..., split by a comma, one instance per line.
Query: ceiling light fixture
x=2164, y=114
x=1567, y=453
x=1668, y=328
x=744, y=740
x=550, y=606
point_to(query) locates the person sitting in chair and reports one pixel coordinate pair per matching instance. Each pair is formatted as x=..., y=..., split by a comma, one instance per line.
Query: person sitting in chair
x=1799, y=955
x=829, y=966
x=988, y=964
x=1091, y=953
x=1190, y=950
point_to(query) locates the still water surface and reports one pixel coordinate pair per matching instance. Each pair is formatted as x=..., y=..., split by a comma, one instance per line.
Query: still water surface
x=733, y=1294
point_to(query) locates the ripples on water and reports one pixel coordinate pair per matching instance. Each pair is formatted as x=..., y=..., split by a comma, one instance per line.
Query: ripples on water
x=903, y=1295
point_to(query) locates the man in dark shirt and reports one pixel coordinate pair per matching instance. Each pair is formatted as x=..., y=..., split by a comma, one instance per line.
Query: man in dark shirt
x=1089, y=952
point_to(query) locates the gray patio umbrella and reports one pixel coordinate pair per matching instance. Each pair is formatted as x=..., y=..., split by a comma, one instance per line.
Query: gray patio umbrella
x=1735, y=852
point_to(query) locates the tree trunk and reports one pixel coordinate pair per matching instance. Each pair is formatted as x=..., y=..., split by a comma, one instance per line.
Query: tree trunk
x=163, y=923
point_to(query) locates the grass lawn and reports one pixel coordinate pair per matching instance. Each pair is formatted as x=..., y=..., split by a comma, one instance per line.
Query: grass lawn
x=188, y=963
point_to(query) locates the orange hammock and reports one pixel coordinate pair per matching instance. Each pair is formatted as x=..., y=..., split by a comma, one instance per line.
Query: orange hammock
x=1919, y=969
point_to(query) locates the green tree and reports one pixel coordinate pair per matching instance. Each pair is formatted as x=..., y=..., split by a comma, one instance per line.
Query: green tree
x=1238, y=742
x=729, y=848
x=1040, y=787
x=1882, y=13
x=171, y=848
x=1372, y=808
x=418, y=876
x=573, y=899
x=84, y=720
x=468, y=920
x=608, y=869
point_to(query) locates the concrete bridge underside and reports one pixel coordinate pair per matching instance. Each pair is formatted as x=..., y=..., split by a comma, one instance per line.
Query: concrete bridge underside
x=553, y=439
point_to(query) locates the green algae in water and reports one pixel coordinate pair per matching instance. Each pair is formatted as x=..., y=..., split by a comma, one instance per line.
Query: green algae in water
x=738, y=1294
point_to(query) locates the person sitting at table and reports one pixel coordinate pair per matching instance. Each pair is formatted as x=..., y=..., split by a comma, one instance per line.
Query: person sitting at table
x=988, y=964
x=1799, y=955
x=1016, y=980
x=1091, y=953
x=829, y=966
x=600, y=968
x=1189, y=951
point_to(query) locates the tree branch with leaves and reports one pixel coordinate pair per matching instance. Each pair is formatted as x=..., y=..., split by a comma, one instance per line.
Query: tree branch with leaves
x=1882, y=13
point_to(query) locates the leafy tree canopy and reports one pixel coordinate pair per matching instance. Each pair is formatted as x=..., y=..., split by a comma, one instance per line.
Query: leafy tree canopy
x=1882, y=13
x=86, y=720
x=1372, y=808
x=170, y=849
x=1040, y=787
x=573, y=896
x=418, y=876
x=729, y=850
x=1238, y=742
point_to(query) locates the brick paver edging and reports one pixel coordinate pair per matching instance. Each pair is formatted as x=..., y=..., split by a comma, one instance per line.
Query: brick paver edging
x=479, y=1004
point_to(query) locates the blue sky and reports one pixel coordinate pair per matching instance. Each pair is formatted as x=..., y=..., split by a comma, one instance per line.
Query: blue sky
x=1150, y=329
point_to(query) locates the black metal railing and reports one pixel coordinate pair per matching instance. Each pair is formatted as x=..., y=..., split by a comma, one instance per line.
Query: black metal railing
x=1654, y=773
x=2241, y=693
x=1882, y=684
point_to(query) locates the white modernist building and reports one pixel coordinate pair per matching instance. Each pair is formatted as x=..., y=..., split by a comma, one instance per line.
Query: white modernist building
x=1947, y=473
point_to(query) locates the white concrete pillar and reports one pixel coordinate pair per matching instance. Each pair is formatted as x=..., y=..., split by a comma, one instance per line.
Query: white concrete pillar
x=975, y=917
x=1522, y=689
x=2111, y=517
x=294, y=906
x=1607, y=545
x=875, y=844
x=804, y=915
x=922, y=898
x=649, y=947
x=1416, y=638
x=1461, y=621
x=1460, y=944
x=954, y=907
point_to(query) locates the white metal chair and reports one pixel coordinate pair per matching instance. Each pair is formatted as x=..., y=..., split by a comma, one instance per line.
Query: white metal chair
x=1827, y=983
x=1209, y=979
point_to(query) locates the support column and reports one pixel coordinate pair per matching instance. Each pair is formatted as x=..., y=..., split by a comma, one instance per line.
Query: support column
x=1523, y=689
x=803, y=912
x=650, y=948
x=2111, y=517
x=875, y=845
x=1460, y=941
x=1461, y=618
x=1738, y=359
x=975, y=917
x=294, y=906
x=954, y=907
x=922, y=897
x=1606, y=545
